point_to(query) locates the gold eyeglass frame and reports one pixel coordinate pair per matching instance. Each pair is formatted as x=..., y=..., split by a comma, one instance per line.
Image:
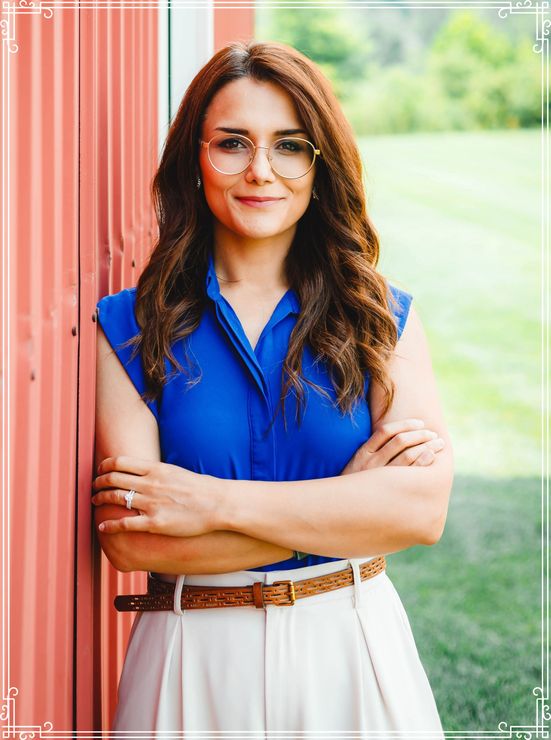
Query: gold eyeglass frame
x=205, y=144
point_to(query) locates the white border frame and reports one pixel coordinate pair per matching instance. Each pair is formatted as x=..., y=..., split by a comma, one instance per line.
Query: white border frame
x=163, y=77
x=11, y=10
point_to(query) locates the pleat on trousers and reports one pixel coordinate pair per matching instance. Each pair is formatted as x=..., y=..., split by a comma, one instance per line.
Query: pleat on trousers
x=340, y=661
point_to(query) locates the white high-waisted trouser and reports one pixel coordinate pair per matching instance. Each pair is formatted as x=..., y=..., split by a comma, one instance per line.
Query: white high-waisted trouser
x=340, y=661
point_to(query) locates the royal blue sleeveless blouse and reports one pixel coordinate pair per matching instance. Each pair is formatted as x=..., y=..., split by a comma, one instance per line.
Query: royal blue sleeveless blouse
x=220, y=426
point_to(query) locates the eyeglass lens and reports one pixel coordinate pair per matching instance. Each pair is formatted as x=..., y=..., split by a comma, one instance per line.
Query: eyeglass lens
x=289, y=157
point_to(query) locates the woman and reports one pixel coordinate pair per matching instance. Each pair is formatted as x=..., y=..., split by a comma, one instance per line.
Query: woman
x=257, y=420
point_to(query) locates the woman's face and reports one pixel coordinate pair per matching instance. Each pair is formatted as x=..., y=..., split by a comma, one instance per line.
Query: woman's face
x=263, y=112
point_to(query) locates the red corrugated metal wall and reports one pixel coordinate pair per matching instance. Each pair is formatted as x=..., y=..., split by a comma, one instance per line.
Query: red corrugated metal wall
x=232, y=24
x=118, y=83
x=80, y=122
x=41, y=316
x=80, y=98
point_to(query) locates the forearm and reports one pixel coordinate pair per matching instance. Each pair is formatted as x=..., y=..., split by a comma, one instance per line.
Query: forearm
x=376, y=511
x=215, y=552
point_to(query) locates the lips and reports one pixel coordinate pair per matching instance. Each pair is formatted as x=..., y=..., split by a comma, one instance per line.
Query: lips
x=256, y=198
x=258, y=202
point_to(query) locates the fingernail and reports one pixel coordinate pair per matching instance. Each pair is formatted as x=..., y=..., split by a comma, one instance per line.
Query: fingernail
x=418, y=422
x=433, y=434
x=101, y=526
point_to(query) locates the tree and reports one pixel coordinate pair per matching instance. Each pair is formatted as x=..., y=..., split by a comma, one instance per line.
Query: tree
x=325, y=36
x=488, y=77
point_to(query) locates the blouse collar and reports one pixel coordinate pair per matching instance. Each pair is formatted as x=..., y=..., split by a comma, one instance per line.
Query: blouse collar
x=289, y=303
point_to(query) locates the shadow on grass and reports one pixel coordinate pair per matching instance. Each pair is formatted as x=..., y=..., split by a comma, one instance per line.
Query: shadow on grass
x=474, y=603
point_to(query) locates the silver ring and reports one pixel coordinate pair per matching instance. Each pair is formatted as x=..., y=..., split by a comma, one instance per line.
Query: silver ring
x=128, y=498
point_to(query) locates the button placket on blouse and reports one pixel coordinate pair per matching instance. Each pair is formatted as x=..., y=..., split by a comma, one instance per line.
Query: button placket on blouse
x=235, y=332
x=259, y=407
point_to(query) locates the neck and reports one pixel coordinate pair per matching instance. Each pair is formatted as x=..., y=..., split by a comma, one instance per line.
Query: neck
x=258, y=267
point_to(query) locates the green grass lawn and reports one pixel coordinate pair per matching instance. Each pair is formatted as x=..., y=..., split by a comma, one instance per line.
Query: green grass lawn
x=458, y=215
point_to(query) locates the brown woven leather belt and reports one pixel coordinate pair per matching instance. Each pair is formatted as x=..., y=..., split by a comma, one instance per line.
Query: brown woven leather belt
x=160, y=594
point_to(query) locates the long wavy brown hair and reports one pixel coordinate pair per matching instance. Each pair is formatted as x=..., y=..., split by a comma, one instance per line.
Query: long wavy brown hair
x=345, y=312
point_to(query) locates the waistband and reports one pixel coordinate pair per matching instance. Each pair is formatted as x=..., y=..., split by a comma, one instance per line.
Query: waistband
x=163, y=596
x=247, y=577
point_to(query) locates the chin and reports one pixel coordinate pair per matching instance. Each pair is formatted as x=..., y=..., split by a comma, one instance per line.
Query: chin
x=272, y=233
x=258, y=231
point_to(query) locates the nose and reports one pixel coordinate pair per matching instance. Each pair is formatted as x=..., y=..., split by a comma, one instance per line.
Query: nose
x=260, y=168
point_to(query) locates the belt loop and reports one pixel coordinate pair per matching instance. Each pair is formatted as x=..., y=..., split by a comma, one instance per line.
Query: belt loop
x=358, y=601
x=178, y=595
x=258, y=595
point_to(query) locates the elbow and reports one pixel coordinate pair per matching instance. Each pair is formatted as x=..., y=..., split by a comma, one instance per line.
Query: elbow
x=435, y=521
x=120, y=548
x=121, y=565
x=123, y=562
x=433, y=534
x=132, y=552
x=438, y=525
x=124, y=567
x=116, y=555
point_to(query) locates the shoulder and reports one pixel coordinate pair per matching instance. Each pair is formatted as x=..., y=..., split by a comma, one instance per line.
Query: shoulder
x=125, y=299
x=400, y=305
x=116, y=315
x=117, y=318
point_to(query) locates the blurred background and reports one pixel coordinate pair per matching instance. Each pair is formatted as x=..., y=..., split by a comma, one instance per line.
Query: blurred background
x=446, y=107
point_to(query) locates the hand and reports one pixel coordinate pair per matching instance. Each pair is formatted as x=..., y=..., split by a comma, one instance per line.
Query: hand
x=171, y=500
x=396, y=443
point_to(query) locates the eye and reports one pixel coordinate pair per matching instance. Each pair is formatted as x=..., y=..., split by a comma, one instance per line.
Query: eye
x=231, y=144
x=291, y=146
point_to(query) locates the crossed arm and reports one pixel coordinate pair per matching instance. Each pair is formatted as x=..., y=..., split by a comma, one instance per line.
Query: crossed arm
x=373, y=511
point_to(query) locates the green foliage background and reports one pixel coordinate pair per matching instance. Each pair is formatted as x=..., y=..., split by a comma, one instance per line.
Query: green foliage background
x=454, y=192
x=458, y=217
x=396, y=71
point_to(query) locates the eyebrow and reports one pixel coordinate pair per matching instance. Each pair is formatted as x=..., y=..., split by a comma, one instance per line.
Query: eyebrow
x=245, y=132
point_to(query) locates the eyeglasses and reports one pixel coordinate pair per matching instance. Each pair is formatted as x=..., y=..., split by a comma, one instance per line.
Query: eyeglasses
x=289, y=157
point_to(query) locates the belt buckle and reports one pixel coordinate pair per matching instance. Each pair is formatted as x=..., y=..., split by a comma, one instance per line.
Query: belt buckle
x=292, y=597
